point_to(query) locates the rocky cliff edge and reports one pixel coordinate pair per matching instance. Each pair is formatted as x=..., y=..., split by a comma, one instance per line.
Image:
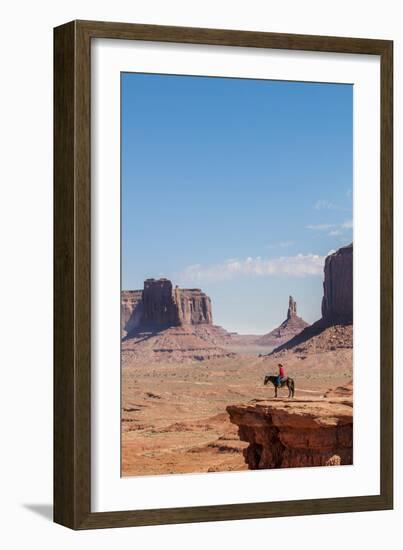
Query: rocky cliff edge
x=284, y=433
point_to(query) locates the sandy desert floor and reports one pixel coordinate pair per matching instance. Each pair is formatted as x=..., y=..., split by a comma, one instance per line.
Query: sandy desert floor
x=174, y=417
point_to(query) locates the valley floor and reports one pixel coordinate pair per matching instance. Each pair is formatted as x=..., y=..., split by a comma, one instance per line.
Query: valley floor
x=174, y=417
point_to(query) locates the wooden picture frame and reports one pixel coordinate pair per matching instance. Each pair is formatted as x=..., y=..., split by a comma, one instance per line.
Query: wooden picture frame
x=72, y=270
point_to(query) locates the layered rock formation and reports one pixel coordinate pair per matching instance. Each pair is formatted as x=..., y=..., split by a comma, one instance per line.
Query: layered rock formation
x=288, y=329
x=292, y=308
x=159, y=306
x=131, y=310
x=177, y=344
x=165, y=324
x=337, y=303
x=303, y=432
x=194, y=306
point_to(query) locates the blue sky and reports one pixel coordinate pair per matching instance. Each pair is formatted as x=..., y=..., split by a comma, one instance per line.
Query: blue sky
x=236, y=186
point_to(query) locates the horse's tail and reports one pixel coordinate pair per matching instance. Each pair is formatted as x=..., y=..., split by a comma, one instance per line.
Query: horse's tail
x=292, y=386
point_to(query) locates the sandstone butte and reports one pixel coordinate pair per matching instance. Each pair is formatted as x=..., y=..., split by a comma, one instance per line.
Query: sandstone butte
x=159, y=305
x=289, y=328
x=285, y=433
x=162, y=323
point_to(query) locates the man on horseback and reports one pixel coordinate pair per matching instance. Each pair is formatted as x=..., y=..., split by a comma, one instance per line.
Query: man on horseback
x=280, y=380
x=281, y=375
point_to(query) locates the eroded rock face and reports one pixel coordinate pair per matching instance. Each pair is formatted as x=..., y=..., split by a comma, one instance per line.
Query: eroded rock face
x=159, y=305
x=131, y=310
x=289, y=328
x=292, y=308
x=285, y=433
x=194, y=306
x=337, y=303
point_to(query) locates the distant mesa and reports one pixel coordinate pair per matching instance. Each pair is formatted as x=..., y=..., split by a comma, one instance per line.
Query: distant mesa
x=170, y=324
x=159, y=305
x=288, y=329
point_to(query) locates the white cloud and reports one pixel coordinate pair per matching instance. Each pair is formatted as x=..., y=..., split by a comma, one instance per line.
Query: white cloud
x=301, y=265
x=333, y=229
x=323, y=204
x=281, y=244
x=321, y=226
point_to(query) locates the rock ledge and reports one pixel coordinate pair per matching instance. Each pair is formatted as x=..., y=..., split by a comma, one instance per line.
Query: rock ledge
x=284, y=433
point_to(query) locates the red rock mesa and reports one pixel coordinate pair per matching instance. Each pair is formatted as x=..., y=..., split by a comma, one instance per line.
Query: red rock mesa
x=159, y=306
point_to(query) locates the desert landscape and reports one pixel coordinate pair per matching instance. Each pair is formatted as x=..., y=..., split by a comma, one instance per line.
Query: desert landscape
x=193, y=398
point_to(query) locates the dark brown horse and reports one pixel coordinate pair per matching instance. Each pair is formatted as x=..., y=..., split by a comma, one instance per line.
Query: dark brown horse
x=289, y=382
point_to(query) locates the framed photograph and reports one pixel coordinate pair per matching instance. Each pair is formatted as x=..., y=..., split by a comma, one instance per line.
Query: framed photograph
x=222, y=275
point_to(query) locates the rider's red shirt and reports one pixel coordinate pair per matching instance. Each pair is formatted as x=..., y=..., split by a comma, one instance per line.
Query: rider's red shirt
x=282, y=372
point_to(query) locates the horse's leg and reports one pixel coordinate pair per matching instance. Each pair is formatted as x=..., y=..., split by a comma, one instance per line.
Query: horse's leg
x=275, y=391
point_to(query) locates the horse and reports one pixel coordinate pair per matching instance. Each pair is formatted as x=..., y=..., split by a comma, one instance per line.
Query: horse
x=289, y=382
